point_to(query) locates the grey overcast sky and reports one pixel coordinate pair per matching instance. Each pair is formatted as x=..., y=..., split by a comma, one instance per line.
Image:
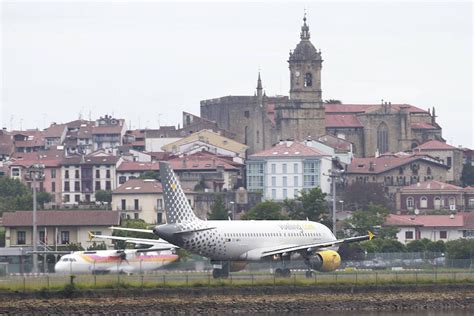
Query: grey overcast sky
x=149, y=61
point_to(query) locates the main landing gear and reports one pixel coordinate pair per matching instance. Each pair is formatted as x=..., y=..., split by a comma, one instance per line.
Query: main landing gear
x=283, y=273
x=220, y=271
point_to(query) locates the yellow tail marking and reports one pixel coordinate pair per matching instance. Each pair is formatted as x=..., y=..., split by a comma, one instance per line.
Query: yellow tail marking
x=371, y=235
x=91, y=236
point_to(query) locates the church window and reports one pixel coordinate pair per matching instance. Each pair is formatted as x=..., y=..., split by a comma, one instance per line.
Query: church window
x=410, y=202
x=308, y=80
x=382, y=138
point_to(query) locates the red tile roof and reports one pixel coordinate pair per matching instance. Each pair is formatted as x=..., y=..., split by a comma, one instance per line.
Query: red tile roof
x=201, y=161
x=456, y=220
x=139, y=186
x=432, y=185
x=362, y=108
x=289, y=149
x=376, y=165
x=138, y=166
x=335, y=142
x=55, y=130
x=422, y=125
x=342, y=120
x=90, y=160
x=62, y=218
x=434, y=145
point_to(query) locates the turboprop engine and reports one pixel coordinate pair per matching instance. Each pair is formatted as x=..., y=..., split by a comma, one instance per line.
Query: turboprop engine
x=324, y=261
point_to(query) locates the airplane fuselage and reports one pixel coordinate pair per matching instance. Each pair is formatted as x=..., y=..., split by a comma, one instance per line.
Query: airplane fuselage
x=110, y=261
x=241, y=240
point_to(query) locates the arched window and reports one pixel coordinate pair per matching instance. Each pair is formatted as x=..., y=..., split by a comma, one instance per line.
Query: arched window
x=410, y=202
x=382, y=138
x=452, y=201
x=308, y=80
x=423, y=202
x=437, y=203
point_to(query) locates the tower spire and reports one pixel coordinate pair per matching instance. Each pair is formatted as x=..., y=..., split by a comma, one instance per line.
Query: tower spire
x=259, y=88
x=304, y=29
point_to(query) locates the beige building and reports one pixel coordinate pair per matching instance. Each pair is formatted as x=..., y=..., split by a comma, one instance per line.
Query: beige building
x=449, y=155
x=57, y=228
x=142, y=199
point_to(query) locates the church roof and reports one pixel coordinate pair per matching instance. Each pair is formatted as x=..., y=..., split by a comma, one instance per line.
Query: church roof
x=434, y=145
x=363, y=108
x=305, y=49
x=342, y=120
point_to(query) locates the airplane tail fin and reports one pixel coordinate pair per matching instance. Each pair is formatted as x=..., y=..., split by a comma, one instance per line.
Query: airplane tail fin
x=177, y=206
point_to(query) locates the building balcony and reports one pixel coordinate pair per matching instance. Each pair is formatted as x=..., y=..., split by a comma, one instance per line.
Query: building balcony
x=129, y=208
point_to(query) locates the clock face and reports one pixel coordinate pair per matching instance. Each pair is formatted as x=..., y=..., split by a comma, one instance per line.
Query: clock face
x=297, y=74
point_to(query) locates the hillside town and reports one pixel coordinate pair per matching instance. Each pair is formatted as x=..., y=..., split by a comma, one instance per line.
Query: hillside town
x=237, y=153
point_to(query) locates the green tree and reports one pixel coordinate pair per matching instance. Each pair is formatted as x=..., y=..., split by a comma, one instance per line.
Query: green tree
x=383, y=245
x=2, y=237
x=97, y=246
x=218, y=210
x=150, y=174
x=309, y=205
x=42, y=198
x=467, y=175
x=132, y=223
x=103, y=196
x=14, y=195
x=74, y=247
x=460, y=249
x=359, y=196
x=366, y=220
x=436, y=246
x=265, y=210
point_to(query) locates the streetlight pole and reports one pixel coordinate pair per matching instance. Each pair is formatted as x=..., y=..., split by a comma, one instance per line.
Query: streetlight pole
x=232, y=203
x=35, y=172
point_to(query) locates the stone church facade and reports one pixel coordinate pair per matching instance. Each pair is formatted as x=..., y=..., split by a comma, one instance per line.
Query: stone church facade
x=260, y=121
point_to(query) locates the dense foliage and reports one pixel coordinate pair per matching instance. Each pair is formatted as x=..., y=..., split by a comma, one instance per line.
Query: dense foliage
x=359, y=195
x=103, y=196
x=370, y=219
x=218, y=210
x=467, y=175
x=311, y=205
x=265, y=210
x=14, y=195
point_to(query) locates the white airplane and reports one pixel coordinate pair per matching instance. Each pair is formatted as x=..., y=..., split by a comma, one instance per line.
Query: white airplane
x=232, y=244
x=118, y=261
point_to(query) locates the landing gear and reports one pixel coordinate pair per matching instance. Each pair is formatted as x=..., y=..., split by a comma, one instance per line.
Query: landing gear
x=284, y=273
x=309, y=274
x=221, y=273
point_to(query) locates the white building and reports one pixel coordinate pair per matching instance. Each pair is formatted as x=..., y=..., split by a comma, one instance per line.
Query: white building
x=434, y=227
x=284, y=170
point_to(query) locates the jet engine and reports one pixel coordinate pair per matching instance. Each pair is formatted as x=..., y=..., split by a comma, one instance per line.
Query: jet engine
x=237, y=266
x=324, y=261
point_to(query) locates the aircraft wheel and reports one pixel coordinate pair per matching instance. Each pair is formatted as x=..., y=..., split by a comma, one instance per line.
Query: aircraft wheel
x=216, y=273
x=278, y=272
x=309, y=274
x=286, y=273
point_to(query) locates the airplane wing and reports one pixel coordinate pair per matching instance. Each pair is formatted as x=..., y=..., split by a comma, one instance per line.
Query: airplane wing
x=139, y=230
x=156, y=244
x=311, y=247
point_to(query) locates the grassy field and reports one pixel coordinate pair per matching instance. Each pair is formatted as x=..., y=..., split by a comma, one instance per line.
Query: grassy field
x=59, y=282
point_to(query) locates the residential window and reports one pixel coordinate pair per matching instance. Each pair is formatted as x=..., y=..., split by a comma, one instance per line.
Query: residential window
x=295, y=193
x=274, y=181
x=408, y=235
x=274, y=194
x=443, y=234
x=159, y=204
x=97, y=185
x=64, y=237
x=437, y=203
x=136, y=216
x=159, y=218
x=66, y=186
x=53, y=186
x=97, y=173
x=255, y=176
x=136, y=204
x=311, y=174
x=295, y=181
x=66, y=174
x=77, y=198
x=452, y=201
x=449, y=161
x=76, y=174
x=285, y=193
x=423, y=202
x=274, y=167
x=122, y=179
x=67, y=199
x=295, y=168
x=21, y=237
x=123, y=204
x=107, y=173
x=108, y=185
x=285, y=181
x=77, y=186
x=428, y=171
x=471, y=203
x=410, y=202
x=284, y=168
x=15, y=172
x=42, y=237
x=53, y=173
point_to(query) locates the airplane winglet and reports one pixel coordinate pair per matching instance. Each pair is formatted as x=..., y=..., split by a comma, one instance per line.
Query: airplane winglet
x=371, y=235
